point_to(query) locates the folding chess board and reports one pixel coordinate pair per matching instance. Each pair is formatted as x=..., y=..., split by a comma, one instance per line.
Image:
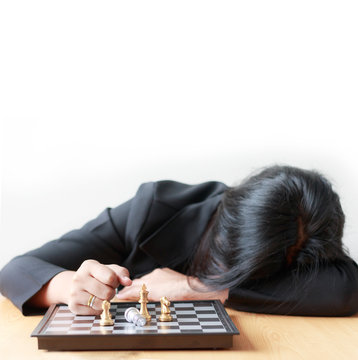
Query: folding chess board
x=195, y=324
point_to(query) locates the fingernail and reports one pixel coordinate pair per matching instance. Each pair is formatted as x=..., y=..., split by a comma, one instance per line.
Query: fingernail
x=126, y=278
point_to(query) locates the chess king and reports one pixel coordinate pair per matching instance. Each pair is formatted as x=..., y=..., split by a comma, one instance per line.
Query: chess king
x=143, y=300
x=165, y=310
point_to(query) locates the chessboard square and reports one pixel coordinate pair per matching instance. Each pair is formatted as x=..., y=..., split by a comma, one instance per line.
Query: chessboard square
x=169, y=331
x=56, y=329
x=79, y=332
x=198, y=311
x=192, y=323
x=214, y=330
x=56, y=333
x=184, y=316
x=120, y=321
x=58, y=326
x=146, y=327
x=167, y=323
x=212, y=327
x=55, y=322
x=190, y=327
x=65, y=314
x=185, y=312
x=174, y=326
x=211, y=323
x=125, y=327
x=188, y=319
x=191, y=331
x=204, y=308
x=183, y=305
x=81, y=321
x=207, y=316
x=101, y=332
x=103, y=328
x=83, y=317
x=81, y=325
x=189, y=308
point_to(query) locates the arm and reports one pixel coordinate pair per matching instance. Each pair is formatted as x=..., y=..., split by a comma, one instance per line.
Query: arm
x=332, y=291
x=174, y=285
x=26, y=275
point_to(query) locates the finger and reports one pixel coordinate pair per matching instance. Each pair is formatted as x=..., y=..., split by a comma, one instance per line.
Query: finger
x=122, y=274
x=104, y=274
x=129, y=292
x=84, y=297
x=78, y=304
x=98, y=289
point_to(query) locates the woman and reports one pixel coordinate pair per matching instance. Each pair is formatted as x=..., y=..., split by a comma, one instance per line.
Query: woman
x=273, y=244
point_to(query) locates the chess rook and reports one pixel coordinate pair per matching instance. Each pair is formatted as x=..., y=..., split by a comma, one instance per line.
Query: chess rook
x=133, y=315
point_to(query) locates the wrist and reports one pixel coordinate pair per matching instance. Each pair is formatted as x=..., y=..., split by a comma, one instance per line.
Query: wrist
x=59, y=287
x=55, y=291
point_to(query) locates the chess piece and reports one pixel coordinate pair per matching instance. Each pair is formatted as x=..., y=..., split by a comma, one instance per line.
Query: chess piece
x=133, y=315
x=106, y=318
x=143, y=300
x=165, y=310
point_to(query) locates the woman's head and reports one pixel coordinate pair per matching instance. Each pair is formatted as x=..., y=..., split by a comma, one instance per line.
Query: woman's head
x=281, y=217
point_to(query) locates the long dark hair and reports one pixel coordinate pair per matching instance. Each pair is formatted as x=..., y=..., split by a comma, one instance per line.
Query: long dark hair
x=283, y=217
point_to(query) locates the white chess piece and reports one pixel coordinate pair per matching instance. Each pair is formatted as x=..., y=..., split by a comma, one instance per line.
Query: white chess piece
x=133, y=315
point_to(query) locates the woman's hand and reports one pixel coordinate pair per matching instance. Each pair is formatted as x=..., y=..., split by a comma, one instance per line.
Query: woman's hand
x=93, y=278
x=173, y=285
x=75, y=288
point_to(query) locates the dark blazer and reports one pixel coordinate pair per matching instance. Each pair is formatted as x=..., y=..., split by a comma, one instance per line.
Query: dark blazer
x=160, y=227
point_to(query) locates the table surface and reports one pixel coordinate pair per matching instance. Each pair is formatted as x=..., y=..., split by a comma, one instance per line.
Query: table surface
x=262, y=337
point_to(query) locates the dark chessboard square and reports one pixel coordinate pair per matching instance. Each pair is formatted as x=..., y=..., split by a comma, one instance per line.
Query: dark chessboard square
x=188, y=331
x=125, y=327
x=212, y=327
x=175, y=326
x=205, y=311
x=204, y=320
x=186, y=316
x=75, y=321
x=187, y=308
x=191, y=323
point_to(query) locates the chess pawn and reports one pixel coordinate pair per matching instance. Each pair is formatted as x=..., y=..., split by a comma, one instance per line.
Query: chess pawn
x=106, y=318
x=165, y=310
x=143, y=300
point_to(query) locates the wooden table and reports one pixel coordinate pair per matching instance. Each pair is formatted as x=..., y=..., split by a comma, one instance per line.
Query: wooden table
x=262, y=337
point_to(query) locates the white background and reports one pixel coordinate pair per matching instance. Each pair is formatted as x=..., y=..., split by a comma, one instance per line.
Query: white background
x=100, y=96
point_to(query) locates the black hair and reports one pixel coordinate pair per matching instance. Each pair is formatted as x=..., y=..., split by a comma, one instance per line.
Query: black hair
x=282, y=217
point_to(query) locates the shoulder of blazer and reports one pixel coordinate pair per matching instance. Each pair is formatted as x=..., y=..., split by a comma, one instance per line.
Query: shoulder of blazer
x=167, y=218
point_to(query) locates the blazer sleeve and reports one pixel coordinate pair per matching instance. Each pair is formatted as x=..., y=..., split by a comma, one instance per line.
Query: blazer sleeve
x=331, y=290
x=101, y=239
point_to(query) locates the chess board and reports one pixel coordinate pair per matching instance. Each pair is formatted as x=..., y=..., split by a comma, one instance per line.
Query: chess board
x=195, y=324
